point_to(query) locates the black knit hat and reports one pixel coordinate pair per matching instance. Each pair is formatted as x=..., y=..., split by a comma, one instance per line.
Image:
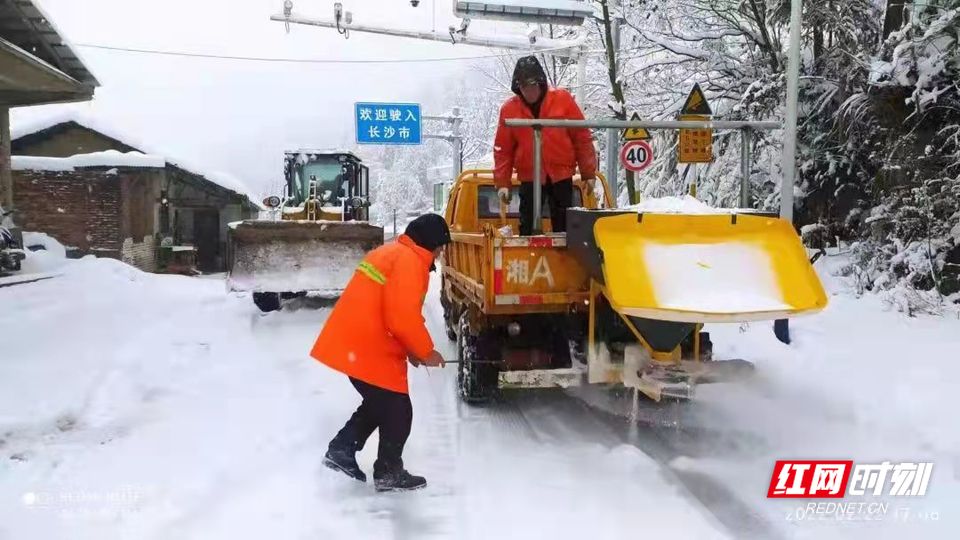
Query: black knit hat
x=429, y=231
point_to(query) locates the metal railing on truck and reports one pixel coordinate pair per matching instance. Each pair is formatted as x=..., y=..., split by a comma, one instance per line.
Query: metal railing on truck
x=745, y=128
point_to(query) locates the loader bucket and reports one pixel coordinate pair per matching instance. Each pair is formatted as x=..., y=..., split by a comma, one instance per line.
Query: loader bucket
x=297, y=256
x=696, y=268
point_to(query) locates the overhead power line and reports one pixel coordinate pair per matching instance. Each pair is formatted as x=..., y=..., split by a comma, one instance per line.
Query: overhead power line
x=293, y=60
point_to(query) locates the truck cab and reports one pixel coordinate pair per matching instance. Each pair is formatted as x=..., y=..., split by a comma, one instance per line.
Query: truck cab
x=473, y=204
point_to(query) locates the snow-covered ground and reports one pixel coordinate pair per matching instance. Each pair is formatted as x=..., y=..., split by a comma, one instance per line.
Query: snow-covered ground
x=141, y=406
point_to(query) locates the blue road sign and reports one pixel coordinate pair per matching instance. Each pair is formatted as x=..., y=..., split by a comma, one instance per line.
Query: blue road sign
x=388, y=123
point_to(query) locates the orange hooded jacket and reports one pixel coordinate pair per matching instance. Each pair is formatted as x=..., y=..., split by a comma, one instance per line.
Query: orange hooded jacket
x=563, y=149
x=378, y=319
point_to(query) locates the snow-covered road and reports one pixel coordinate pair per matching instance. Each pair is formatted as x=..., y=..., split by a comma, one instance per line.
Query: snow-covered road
x=143, y=406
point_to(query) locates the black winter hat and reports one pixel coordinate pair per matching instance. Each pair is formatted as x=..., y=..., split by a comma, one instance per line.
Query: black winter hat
x=528, y=68
x=429, y=231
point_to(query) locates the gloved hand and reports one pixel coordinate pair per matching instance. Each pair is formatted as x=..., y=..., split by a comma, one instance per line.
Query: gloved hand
x=434, y=359
x=504, y=194
x=413, y=360
x=591, y=184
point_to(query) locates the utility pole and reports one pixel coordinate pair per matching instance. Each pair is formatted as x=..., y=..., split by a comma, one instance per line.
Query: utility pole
x=781, y=327
x=454, y=137
x=611, y=8
x=6, y=176
x=581, y=94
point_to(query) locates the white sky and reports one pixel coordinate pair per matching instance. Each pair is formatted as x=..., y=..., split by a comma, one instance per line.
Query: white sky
x=238, y=117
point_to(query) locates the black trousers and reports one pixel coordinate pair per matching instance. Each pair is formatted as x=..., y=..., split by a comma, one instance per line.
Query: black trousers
x=559, y=197
x=389, y=411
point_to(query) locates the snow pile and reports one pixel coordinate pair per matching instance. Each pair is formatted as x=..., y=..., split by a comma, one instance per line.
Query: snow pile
x=52, y=257
x=713, y=278
x=107, y=158
x=47, y=242
x=37, y=163
x=675, y=205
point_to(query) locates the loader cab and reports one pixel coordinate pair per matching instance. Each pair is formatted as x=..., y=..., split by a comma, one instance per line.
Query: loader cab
x=337, y=182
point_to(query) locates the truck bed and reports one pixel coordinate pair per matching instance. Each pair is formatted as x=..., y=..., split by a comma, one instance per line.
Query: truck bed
x=508, y=275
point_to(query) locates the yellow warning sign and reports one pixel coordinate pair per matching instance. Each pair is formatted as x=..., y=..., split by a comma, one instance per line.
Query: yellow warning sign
x=696, y=145
x=696, y=103
x=636, y=134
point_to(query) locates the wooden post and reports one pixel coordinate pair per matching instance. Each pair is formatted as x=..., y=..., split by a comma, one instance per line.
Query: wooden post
x=6, y=175
x=632, y=187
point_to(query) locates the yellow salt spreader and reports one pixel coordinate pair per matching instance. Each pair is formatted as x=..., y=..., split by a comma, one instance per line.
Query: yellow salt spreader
x=620, y=298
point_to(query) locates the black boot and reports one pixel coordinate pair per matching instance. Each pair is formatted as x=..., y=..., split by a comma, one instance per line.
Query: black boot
x=344, y=461
x=397, y=479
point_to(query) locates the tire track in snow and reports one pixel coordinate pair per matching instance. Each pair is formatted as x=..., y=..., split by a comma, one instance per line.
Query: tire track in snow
x=562, y=418
x=669, y=431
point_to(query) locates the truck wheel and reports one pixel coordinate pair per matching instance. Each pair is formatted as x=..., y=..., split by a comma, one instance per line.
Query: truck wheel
x=476, y=378
x=450, y=323
x=267, y=301
x=450, y=319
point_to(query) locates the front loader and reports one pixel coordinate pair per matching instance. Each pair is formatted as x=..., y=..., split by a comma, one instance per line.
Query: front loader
x=322, y=234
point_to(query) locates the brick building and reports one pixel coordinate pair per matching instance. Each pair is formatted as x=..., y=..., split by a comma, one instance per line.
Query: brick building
x=38, y=66
x=96, y=193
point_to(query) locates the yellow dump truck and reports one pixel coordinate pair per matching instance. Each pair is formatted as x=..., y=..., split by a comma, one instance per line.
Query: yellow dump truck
x=621, y=297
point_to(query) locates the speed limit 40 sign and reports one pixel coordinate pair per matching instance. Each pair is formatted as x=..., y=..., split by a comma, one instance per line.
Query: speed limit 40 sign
x=636, y=155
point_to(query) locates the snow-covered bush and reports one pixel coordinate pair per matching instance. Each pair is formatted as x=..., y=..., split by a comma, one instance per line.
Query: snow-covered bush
x=910, y=247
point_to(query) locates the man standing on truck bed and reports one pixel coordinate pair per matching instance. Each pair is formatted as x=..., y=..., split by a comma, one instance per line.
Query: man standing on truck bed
x=375, y=328
x=564, y=149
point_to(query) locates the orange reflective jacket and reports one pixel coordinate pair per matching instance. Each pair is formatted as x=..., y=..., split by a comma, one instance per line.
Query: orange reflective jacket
x=378, y=320
x=563, y=149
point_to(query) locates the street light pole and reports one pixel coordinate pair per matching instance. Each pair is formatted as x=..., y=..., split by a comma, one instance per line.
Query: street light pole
x=790, y=130
x=781, y=327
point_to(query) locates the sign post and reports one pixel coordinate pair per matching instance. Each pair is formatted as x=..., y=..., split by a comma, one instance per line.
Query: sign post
x=388, y=123
x=635, y=134
x=696, y=145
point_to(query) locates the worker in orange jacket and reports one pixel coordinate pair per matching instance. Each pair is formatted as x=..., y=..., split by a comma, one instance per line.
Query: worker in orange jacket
x=563, y=149
x=375, y=329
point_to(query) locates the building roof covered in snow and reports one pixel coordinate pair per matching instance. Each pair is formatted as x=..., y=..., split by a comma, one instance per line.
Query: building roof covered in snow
x=29, y=140
x=105, y=159
x=38, y=63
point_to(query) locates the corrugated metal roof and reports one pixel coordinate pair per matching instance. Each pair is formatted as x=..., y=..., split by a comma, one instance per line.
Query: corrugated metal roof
x=24, y=24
